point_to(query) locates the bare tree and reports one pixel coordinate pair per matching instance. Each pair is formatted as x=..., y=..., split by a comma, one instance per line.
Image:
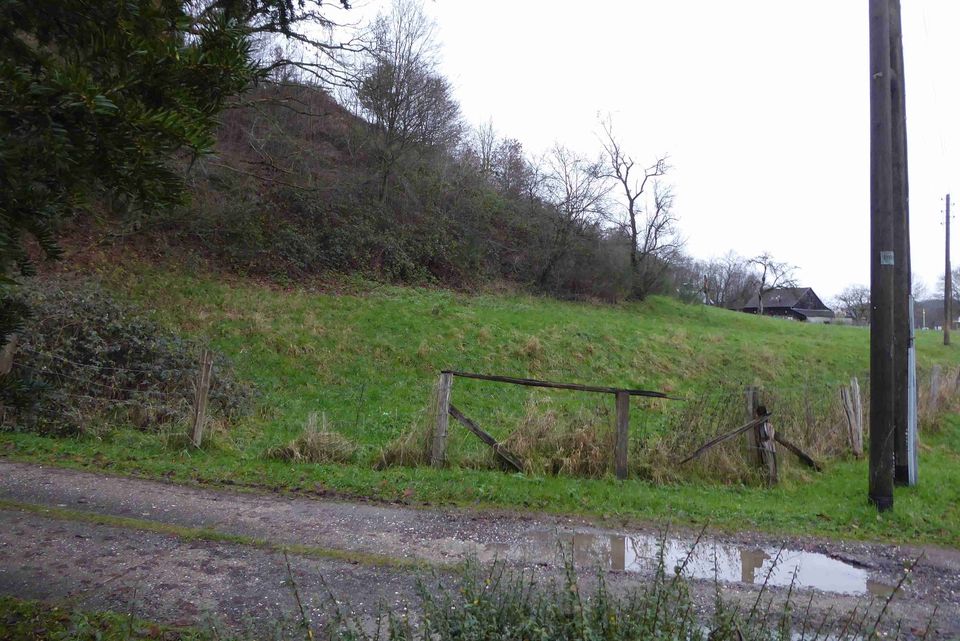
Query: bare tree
x=400, y=90
x=652, y=228
x=918, y=289
x=485, y=146
x=315, y=34
x=854, y=302
x=771, y=274
x=574, y=186
x=728, y=281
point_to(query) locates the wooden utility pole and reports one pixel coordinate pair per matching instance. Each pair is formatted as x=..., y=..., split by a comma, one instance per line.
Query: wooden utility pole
x=902, y=317
x=947, y=280
x=882, y=259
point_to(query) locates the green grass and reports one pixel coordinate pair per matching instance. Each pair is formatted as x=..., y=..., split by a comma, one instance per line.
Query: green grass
x=22, y=619
x=213, y=536
x=366, y=360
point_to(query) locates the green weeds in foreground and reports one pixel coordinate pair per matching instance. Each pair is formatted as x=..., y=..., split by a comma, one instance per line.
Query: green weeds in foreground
x=496, y=602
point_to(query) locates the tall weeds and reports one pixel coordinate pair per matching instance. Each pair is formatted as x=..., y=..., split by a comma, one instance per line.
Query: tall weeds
x=497, y=602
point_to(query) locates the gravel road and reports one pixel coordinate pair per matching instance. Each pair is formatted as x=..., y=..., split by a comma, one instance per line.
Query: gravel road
x=362, y=554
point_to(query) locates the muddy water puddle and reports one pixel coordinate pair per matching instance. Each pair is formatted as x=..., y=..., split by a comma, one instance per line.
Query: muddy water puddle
x=724, y=562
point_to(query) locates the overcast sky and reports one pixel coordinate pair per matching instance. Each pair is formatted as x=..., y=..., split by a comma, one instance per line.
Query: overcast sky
x=762, y=106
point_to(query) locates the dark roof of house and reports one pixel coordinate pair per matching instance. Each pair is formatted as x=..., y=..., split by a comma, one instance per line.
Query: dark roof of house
x=781, y=297
x=802, y=300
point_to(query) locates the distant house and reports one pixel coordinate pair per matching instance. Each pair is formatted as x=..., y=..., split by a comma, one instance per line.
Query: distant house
x=797, y=303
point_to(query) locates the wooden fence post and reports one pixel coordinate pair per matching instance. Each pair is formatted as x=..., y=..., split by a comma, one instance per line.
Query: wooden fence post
x=752, y=397
x=623, y=434
x=6, y=364
x=858, y=418
x=768, y=451
x=850, y=399
x=933, y=400
x=201, y=396
x=6, y=355
x=438, y=454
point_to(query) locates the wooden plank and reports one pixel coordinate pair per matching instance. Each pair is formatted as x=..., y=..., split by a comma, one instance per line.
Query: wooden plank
x=623, y=435
x=851, y=416
x=723, y=437
x=498, y=449
x=768, y=449
x=6, y=354
x=858, y=413
x=201, y=397
x=933, y=402
x=438, y=453
x=530, y=382
x=803, y=456
x=752, y=398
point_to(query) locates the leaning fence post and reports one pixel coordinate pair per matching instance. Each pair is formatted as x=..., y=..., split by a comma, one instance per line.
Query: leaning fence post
x=769, y=452
x=858, y=416
x=934, y=398
x=438, y=454
x=201, y=396
x=849, y=399
x=6, y=362
x=752, y=397
x=623, y=434
x=6, y=355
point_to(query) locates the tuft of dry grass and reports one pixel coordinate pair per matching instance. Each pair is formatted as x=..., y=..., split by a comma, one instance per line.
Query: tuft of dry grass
x=810, y=416
x=934, y=404
x=577, y=443
x=413, y=447
x=316, y=444
x=532, y=349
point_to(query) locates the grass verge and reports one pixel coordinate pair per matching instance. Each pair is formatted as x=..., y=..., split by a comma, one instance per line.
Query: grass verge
x=206, y=534
x=367, y=360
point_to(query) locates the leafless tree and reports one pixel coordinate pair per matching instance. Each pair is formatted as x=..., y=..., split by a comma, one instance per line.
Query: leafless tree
x=400, y=90
x=484, y=147
x=771, y=274
x=316, y=35
x=854, y=302
x=652, y=228
x=918, y=289
x=575, y=187
x=728, y=281
x=955, y=291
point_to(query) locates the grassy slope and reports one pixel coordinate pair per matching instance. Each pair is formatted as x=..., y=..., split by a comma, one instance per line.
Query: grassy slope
x=368, y=361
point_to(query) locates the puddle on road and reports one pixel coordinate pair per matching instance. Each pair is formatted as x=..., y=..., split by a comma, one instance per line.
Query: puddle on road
x=733, y=564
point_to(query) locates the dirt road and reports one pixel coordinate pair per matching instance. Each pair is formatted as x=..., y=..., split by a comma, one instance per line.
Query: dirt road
x=186, y=554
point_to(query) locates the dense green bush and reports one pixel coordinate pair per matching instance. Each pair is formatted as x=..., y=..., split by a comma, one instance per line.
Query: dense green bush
x=84, y=361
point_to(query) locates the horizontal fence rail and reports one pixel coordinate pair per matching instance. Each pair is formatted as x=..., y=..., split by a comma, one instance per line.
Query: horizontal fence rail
x=530, y=382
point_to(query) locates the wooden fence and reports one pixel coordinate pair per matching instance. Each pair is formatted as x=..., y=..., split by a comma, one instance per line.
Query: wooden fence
x=445, y=409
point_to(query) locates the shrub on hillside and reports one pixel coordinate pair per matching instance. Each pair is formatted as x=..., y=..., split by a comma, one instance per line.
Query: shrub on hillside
x=84, y=359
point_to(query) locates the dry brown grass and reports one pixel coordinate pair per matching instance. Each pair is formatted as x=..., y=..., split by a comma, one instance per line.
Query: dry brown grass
x=550, y=442
x=690, y=424
x=811, y=417
x=933, y=405
x=413, y=447
x=316, y=444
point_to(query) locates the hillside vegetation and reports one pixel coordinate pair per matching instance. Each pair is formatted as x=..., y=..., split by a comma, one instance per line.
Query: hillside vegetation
x=359, y=361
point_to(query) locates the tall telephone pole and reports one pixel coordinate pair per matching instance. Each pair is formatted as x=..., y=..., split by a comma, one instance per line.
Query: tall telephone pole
x=902, y=316
x=947, y=280
x=882, y=258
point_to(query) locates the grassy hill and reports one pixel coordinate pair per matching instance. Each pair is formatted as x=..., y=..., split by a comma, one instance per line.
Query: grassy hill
x=362, y=358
